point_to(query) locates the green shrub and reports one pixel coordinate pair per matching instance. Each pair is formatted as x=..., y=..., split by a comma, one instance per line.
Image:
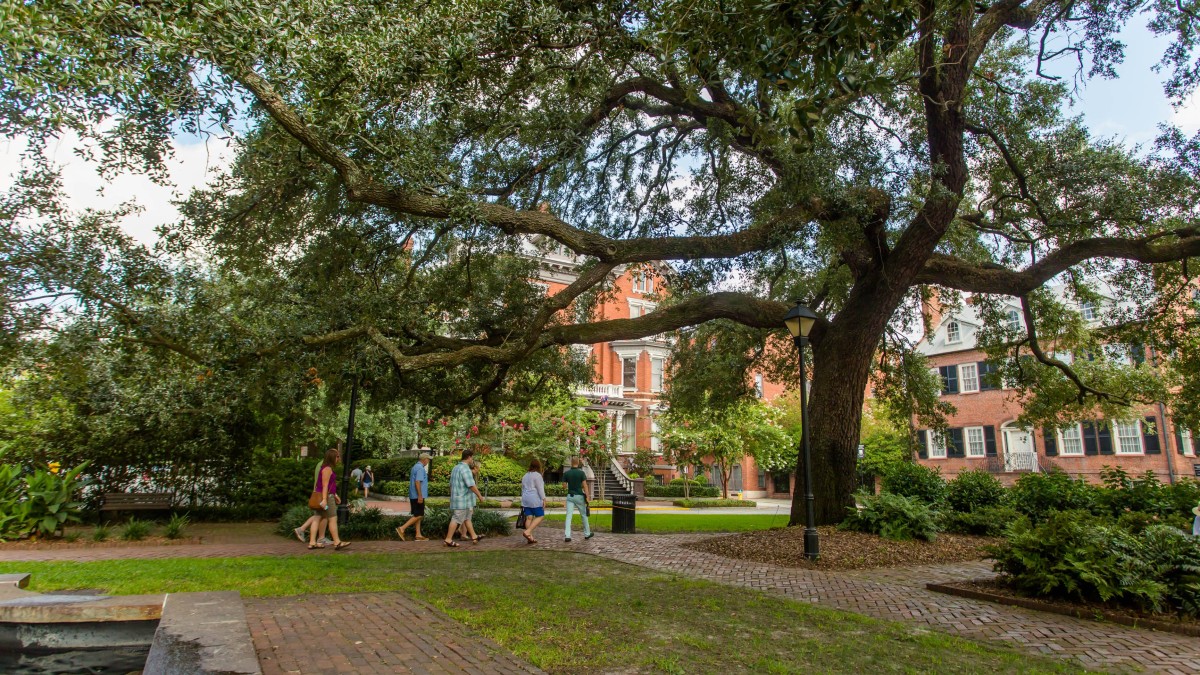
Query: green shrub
x=1174, y=561
x=1122, y=493
x=39, y=504
x=12, y=490
x=1037, y=495
x=677, y=491
x=972, y=490
x=712, y=503
x=394, y=468
x=394, y=488
x=135, y=530
x=291, y=519
x=1076, y=555
x=101, y=533
x=909, y=479
x=175, y=526
x=698, y=482
x=986, y=521
x=1183, y=496
x=266, y=489
x=893, y=516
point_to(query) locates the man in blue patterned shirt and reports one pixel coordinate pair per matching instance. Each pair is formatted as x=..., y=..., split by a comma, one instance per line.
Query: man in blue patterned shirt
x=463, y=498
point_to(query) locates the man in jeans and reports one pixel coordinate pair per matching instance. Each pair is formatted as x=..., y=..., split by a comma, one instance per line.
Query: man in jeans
x=577, y=492
x=463, y=498
x=418, y=490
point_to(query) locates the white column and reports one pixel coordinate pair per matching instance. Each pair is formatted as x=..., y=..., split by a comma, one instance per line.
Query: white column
x=620, y=430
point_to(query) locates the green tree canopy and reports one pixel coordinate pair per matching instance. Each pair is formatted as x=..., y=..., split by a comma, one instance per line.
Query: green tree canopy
x=394, y=157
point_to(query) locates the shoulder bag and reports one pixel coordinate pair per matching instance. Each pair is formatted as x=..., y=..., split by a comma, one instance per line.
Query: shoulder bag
x=314, y=501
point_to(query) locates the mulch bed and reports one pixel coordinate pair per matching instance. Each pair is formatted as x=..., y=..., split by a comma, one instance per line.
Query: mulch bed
x=844, y=550
x=995, y=590
x=115, y=542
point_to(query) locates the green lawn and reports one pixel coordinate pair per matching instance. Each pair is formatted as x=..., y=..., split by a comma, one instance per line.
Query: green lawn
x=656, y=523
x=575, y=613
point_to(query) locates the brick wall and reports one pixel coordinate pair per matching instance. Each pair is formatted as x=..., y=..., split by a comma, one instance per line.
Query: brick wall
x=995, y=412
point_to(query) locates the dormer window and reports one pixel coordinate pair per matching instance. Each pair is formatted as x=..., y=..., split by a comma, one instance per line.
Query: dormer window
x=1012, y=320
x=1088, y=309
x=953, y=333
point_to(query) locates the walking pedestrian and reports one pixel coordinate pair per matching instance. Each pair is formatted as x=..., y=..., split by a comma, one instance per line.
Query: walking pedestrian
x=314, y=521
x=1196, y=522
x=463, y=498
x=368, y=479
x=533, y=499
x=577, y=491
x=326, y=484
x=418, y=491
x=356, y=476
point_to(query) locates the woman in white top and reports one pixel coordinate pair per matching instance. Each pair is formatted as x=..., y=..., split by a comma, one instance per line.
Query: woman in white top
x=533, y=499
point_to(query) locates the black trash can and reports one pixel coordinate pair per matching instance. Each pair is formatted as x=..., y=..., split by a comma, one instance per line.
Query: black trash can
x=624, y=515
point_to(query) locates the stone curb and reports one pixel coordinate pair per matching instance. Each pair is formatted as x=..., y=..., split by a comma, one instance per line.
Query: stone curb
x=1087, y=615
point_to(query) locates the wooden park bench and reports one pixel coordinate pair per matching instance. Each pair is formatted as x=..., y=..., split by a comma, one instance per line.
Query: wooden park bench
x=135, y=501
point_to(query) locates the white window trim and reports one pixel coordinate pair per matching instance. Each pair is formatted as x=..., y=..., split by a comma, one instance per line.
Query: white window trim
x=956, y=340
x=967, y=442
x=930, y=446
x=962, y=380
x=657, y=387
x=1012, y=319
x=642, y=306
x=1185, y=440
x=1116, y=439
x=1092, y=308
x=1062, y=443
x=635, y=360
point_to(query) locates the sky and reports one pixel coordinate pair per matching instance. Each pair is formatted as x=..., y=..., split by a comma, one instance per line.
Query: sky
x=1128, y=109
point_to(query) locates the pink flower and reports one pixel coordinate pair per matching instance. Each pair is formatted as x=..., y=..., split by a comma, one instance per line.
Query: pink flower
x=428, y=421
x=474, y=429
x=591, y=432
x=443, y=421
x=503, y=423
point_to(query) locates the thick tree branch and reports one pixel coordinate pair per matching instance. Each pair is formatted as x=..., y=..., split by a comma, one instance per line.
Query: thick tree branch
x=988, y=278
x=361, y=187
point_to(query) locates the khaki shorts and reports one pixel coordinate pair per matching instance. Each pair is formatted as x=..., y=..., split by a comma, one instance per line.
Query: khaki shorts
x=461, y=516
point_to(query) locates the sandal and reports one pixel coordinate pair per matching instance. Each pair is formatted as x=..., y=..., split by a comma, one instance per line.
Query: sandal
x=527, y=537
x=400, y=533
x=312, y=546
x=451, y=544
x=476, y=539
x=341, y=545
x=420, y=538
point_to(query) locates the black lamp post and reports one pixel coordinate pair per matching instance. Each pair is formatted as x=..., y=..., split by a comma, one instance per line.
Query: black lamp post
x=800, y=320
x=343, y=510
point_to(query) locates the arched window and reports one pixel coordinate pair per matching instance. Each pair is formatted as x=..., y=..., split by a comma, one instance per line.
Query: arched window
x=953, y=333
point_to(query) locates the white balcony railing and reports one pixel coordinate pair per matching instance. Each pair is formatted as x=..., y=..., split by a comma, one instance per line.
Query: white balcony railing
x=1020, y=461
x=609, y=390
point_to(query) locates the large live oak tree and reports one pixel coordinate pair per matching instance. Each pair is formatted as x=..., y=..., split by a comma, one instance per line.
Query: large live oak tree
x=395, y=155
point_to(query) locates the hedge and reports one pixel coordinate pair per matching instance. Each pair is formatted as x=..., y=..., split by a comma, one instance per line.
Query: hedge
x=396, y=468
x=677, y=491
x=373, y=524
x=713, y=503
x=442, y=489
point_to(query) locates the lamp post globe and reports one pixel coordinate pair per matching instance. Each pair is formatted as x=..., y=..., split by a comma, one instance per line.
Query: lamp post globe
x=799, y=321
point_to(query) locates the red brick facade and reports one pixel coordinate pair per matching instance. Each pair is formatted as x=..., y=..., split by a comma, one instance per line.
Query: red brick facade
x=990, y=415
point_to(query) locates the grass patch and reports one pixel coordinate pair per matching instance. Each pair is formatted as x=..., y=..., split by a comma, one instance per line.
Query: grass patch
x=661, y=523
x=565, y=613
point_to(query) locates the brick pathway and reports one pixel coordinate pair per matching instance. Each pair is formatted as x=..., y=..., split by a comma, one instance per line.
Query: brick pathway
x=897, y=594
x=368, y=633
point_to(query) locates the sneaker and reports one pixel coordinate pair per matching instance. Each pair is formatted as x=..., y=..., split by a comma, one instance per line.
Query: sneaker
x=326, y=540
x=299, y=534
x=568, y=540
x=589, y=536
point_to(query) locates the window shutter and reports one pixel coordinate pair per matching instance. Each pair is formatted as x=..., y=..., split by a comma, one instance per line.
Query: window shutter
x=949, y=379
x=1051, y=442
x=1196, y=442
x=1137, y=352
x=1104, y=435
x=1150, y=440
x=984, y=369
x=989, y=441
x=923, y=451
x=957, y=447
x=1089, y=440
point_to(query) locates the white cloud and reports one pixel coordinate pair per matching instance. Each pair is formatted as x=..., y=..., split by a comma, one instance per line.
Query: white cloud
x=1187, y=115
x=192, y=165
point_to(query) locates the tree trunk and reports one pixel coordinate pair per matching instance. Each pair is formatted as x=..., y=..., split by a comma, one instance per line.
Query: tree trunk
x=841, y=364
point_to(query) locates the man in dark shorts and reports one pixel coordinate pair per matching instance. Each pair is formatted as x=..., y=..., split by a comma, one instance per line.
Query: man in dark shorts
x=418, y=490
